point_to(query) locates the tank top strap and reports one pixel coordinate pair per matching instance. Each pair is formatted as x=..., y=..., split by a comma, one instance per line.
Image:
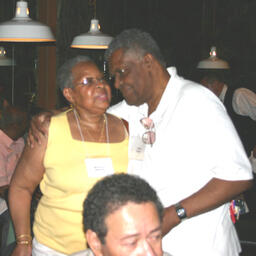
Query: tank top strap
x=124, y=123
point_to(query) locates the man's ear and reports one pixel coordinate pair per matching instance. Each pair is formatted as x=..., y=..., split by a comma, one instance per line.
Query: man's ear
x=67, y=94
x=94, y=242
x=148, y=60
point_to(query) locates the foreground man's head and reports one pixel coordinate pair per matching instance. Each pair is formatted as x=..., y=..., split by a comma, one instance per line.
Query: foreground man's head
x=122, y=216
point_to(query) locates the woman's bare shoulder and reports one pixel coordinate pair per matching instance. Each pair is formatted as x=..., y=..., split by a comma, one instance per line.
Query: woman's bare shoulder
x=118, y=127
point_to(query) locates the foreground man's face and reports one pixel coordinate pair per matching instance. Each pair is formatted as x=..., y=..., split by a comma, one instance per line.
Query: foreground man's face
x=133, y=230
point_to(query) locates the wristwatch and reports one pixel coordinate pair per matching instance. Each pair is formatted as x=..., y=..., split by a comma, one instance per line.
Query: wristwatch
x=181, y=212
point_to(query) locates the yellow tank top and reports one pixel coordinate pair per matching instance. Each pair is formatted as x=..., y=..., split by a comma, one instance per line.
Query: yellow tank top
x=65, y=184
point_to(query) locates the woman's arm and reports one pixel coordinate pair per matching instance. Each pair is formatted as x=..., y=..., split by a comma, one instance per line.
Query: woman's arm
x=27, y=176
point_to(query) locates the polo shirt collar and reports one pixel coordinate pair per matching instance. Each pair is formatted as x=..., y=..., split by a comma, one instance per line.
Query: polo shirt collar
x=158, y=114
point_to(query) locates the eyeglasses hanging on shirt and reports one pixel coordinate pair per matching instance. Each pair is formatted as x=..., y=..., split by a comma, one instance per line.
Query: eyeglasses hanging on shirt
x=148, y=137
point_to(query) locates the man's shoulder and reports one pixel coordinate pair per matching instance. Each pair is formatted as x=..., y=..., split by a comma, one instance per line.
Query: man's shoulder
x=191, y=90
x=184, y=85
x=123, y=110
x=243, y=93
x=120, y=105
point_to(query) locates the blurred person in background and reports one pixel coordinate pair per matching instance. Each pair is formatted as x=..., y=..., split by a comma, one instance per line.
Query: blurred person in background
x=13, y=125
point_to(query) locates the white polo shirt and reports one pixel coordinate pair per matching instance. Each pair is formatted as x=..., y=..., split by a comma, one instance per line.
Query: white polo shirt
x=195, y=142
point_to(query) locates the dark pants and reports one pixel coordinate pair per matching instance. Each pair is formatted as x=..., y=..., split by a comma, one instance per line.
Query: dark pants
x=5, y=222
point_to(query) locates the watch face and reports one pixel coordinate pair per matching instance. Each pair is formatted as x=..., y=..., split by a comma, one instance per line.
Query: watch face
x=181, y=212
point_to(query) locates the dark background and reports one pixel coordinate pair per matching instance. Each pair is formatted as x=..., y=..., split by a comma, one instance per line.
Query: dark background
x=185, y=30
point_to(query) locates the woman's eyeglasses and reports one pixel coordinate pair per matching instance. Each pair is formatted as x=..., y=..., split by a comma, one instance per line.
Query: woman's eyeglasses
x=89, y=81
x=148, y=137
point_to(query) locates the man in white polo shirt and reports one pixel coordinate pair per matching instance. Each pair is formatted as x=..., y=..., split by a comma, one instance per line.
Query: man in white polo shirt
x=194, y=160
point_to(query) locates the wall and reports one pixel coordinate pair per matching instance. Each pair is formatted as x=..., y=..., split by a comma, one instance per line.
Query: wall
x=185, y=31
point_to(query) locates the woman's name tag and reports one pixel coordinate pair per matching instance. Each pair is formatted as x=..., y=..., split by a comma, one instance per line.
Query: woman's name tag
x=99, y=167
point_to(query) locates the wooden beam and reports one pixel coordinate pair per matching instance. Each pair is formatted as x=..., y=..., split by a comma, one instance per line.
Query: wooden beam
x=47, y=14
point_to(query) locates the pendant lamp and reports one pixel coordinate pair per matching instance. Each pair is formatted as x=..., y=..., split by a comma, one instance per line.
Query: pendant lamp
x=23, y=29
x=4, y=61
x=94, y=39
x=213, y=62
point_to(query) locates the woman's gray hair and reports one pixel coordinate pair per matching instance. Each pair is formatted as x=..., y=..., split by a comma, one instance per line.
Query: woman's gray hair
x=135, y=40
x=64, y=75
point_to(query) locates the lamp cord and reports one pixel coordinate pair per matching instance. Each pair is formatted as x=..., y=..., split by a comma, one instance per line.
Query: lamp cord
x=13, y=74
x=92, y=3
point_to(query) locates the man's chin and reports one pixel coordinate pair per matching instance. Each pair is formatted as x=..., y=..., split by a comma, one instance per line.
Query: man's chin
x=132, y=102
x=130, y=97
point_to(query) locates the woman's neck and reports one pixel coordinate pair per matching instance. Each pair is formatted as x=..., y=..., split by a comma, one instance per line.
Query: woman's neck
x=90, y=120
x=92, y=129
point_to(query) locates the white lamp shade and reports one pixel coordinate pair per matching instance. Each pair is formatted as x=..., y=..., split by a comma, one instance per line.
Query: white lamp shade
x=213, y=62
x=4, y=61
x=23, y=29
x=94, y=39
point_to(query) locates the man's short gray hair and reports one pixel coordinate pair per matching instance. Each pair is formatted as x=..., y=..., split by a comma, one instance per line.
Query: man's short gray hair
x=135, y=40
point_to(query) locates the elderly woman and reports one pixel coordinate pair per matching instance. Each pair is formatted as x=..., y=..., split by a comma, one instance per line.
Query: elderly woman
x=83, y=145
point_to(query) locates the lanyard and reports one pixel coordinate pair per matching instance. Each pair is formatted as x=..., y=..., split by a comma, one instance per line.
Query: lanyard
x=80, y=130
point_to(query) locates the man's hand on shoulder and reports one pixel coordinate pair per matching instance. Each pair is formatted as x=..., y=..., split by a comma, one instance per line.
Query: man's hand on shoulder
x=39, y=126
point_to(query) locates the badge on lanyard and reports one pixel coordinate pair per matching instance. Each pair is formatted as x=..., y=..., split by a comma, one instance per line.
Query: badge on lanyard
x=99, y=167
x=137, y=149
